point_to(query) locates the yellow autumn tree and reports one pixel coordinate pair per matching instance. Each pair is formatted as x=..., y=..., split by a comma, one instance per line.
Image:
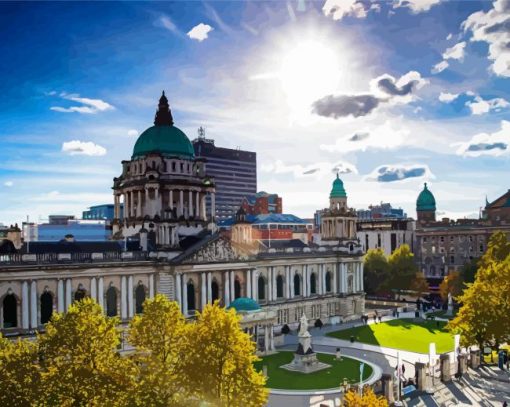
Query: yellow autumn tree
x=451, y=284
x=19, y=373
x=420, y=285
x=80, y=363
x=219, y=361
x=369, y=399
x=160, y=338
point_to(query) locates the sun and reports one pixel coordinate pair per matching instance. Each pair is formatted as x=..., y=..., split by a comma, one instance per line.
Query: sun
x=309, y=70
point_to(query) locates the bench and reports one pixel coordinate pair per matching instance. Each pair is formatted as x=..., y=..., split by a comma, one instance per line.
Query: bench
x=408, y=390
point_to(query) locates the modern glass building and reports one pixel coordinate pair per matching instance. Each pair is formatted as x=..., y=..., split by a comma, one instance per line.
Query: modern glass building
x=234, y=172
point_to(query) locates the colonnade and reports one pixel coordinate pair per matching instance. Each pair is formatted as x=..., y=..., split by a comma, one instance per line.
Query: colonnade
x=186, y=202
x=65, y=295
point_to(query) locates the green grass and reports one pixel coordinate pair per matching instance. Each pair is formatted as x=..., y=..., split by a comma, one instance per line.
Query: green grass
x=404, y=334
x=279, y=378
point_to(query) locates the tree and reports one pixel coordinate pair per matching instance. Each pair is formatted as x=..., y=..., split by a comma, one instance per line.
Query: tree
x=19, y=373
x=159, y=336
x=483, y=316
x=375, y=270
x=402, y=268
x=451, y=284
x=219, y=361
x=420, y=285
x=468, y=271
x=79, y=359
x=369, y=399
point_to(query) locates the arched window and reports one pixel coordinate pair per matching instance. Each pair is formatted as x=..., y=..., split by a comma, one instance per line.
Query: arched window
x=111, y=302
x=215, y=291
x=313, y=283
x=328, y=282
x=262, y=288
x=279, y=286
x=46, y=307
x=140, y=298
x=237, y=288
x=432, y=270
x=350, y=284
x=297, y=284
x=10, y=311
x=191, y=296
x=80, y=293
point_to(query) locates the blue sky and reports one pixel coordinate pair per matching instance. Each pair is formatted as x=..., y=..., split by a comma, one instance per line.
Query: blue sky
x=392, y=94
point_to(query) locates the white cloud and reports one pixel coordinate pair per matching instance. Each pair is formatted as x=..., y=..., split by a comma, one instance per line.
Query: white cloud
x=447, y=97
x=339, y=9
x=455, y=52
x=200, y=32
x=167, y=23
x=132, y=133
x=76, y=147
x=88, y=106
x=399, y=172
x=495, y=144
x=493, y=27
x=440, y=67
x=416, y=6
x=8, y=183
x=481, y=106
x=319, y=169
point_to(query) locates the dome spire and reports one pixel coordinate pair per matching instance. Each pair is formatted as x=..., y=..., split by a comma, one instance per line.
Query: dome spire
x=163, y=114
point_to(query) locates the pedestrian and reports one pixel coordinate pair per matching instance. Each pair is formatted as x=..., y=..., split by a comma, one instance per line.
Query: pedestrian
x=505, y=404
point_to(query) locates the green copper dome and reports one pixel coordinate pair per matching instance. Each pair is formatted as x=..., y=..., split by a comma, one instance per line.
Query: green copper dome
x=163, y=138
x=338, y=190
x=244, y=304
x=426, y=201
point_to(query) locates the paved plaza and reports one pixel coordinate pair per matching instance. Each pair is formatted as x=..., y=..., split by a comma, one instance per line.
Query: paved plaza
x=486, y=386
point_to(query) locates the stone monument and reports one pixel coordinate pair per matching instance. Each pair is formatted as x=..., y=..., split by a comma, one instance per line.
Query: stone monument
x=449, y=312
x=305, y=359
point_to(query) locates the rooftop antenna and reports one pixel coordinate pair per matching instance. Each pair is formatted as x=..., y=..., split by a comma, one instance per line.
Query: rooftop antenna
x=201, y=133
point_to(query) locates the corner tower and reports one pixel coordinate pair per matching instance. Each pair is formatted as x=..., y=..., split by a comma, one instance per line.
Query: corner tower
x=426, y=206
x=163, y=187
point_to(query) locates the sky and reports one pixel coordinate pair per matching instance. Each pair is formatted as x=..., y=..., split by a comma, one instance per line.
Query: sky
x=389, y=94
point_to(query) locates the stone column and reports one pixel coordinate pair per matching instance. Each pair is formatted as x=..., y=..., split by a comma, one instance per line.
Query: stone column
x=266, y=338
x=305, y=281
x=334, y=287
x=269, y=284
x=69, y=294
x=209, y=287
x=421, y=376
x=321, y=279
x=387, y=383
x=203, y=293
x=273, y=273
x=291, y=276
x=147, y=205
x=93, y=289
x=184, y=296
x=130, y=297
x=197, y=205
x=204, y=215
x=361, y=272
x=180, y=211
x=271, y=338
x=171, y=199
x=123, y=298
x=132, y=203
x=445, y=367
x=227, y=288
x=151, y=286
x=115, y=206
x=100, y=292
x=255, y=286
x=178, y=286
x=60, y=296
x=248, y=284
x=24, y=306
x=33, y=305
x=474, y=359
x=190, y=203
x=462, y=363
x=213, y=205
x=126, y=205
x=157, y=202
x=346, y=288
x=287, y=283
x=139, y=205
x=232, y=286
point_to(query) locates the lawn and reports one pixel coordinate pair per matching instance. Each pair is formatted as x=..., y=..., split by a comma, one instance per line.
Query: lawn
x=279, y=378
x=404, y=334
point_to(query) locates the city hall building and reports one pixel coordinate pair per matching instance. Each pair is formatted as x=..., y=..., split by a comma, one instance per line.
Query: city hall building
x=175, y=248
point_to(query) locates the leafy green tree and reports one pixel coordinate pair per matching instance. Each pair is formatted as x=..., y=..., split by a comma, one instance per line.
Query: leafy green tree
x=451, y=284
x=219, y=361
x=402, y=269
x=498, y=249
x=468, y=271
x=375, y=270
x=160, y=338
x=20, y=375
x=80, y=362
